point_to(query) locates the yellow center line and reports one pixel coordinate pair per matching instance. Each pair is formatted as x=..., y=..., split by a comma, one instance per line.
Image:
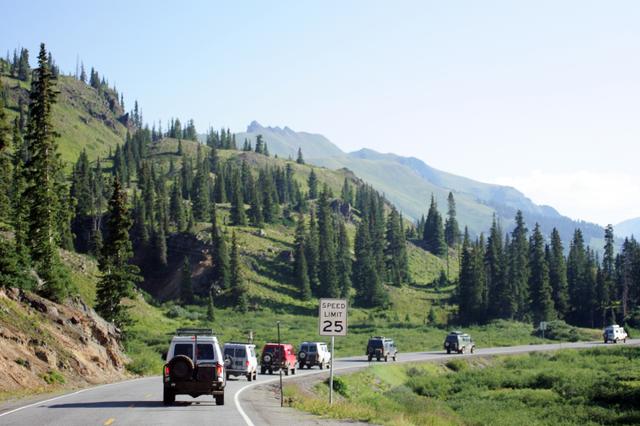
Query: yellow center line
x=109, y=421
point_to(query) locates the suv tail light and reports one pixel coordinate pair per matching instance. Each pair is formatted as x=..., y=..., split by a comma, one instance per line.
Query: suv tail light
x=247, y=363
x=219, y=370
x=166, y=371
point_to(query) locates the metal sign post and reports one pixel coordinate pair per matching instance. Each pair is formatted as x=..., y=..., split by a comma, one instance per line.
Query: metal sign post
x=282, y=354
x=332, y=321
x=543, y=327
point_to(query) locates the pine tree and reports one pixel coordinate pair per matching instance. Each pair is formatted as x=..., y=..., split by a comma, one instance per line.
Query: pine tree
x=118, y=275
x=300, y=159
x=451, y=229
x=495, y=265
x=312, y=254
x=23, y=65
x=606, y=287
x=472, y=283
x=313, y=185
x=518, y=303
x=238, y=216
x=396, y=250
x=200, y=191
x=186, y=287
x=370, y=291
x=343, y=257
x=577, y=277
x=220, y=254
x=326, y=248
x=42, y=170
x=255, y=205
x=433, y=231
x=176, y=207
x=300, y=271
x=20, y=208
x=558, y=274
x=238, y=286
x=541, y=294
x=5, y=169
x=346, y=193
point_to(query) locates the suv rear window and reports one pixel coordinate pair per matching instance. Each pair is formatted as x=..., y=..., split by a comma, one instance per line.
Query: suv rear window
x=375, y=343
x=452, y=338
x=205, y=351
x=183, y=349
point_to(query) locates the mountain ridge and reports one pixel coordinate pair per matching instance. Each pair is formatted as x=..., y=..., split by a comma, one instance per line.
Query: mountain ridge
x=409, y=182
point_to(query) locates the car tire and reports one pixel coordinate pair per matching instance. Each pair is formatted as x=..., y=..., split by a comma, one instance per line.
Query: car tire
x=301, y=365
x=386, y=358
x=369, y=358
x=293, y=371
x=226, y=376
x=378, y=358
x=263, y=370
x=250, y=376
x=255, y=375
x=449, y=351
x=394, y=358
x=219, y=399
x=321, y=366
x=168, y=396
x=271, y=371
x=473, y=348
x=286, y=371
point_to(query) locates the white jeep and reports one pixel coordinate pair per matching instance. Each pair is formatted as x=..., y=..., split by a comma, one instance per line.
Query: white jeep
x=313, y=353
x=240, y=360
x=194, y=366
x=614, y=333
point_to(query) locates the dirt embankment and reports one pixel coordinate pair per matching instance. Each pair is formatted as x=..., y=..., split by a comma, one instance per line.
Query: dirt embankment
x=45, y=345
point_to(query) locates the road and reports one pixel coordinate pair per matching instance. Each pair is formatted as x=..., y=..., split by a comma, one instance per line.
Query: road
x=139, y=401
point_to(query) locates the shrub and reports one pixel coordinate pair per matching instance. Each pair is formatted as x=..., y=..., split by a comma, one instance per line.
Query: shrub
x=339, y=385
x=560, y=330
x=53, y=377
x=456, y=365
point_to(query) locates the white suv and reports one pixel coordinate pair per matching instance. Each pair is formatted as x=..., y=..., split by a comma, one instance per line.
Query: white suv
x=313, y=353
x=240, y=360
x=614, y=333
x=194, y=366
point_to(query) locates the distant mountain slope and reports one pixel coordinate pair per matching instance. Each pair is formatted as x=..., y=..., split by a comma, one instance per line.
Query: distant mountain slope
x=285, y=142
x=408, y=182
x=628, y=228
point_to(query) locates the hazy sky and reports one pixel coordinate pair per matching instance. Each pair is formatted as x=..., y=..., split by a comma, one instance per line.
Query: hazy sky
x=543, y=95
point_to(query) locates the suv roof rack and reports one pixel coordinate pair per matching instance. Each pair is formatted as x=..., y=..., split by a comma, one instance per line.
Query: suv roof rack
x=194, y=332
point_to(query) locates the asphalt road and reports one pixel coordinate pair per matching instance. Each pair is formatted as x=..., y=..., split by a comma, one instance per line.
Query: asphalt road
x=139, y=402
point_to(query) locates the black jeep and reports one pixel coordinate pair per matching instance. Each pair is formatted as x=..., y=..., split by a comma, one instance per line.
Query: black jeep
x=381, y=347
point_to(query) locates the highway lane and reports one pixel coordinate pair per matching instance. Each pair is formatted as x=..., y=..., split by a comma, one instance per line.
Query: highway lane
x=139, y=401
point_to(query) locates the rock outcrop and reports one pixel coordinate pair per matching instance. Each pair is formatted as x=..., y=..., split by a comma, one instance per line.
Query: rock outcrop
x=43, y=343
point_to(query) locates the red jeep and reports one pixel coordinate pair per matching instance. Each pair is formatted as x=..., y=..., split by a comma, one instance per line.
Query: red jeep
x=276, y=356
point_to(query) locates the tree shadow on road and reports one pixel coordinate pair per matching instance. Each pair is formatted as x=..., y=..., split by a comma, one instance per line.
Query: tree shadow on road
x=127, y=404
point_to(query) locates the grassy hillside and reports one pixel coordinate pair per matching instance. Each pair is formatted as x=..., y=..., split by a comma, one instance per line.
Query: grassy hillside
x=82, y=117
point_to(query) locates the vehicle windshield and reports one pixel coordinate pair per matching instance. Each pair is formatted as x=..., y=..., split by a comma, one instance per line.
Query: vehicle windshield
x=452, y=338
x=312, y=348
x=375, y=343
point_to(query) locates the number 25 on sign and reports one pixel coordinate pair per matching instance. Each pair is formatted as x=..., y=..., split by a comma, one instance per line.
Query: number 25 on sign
x=333, y=317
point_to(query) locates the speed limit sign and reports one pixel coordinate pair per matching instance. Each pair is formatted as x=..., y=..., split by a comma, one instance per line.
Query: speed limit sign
x=333, y=317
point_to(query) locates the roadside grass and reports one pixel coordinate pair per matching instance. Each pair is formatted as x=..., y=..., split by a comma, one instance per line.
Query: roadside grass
x=591, y=386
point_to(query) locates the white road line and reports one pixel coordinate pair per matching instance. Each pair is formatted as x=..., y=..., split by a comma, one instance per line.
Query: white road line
x=66, y=395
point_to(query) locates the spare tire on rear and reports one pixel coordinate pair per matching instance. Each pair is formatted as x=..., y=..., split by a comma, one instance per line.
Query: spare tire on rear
x=180, y=368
